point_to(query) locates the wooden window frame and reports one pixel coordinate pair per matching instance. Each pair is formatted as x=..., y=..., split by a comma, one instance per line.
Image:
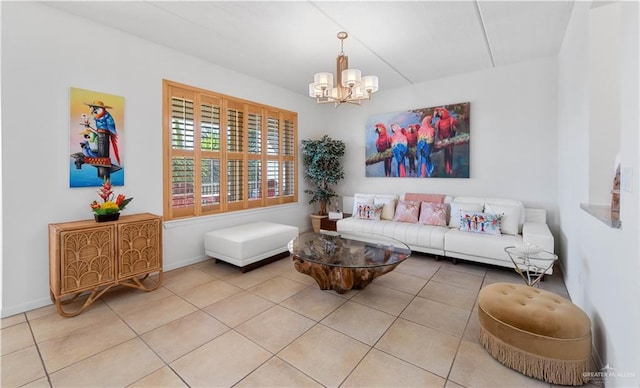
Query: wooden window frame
x=267, y=196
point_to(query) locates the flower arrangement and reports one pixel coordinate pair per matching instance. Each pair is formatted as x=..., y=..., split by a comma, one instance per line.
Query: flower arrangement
x=109, y=206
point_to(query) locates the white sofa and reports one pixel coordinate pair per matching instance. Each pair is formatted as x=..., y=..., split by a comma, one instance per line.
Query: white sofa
x=525, y=225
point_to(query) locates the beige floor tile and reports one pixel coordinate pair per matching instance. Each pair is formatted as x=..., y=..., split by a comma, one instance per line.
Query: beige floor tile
x=324, y=354
x=181, y=336
x=267, y=331
x=209, y=293
x=451, y=384
x=293, y=274
x=221, y=362
x=162, y=378
x=401, y=282
x=474, y=367
x=126, y=300
x=436, y=315
x=467, y=267
x=427, y=348
x=40, y=383
x=20, y=367
x=15, y=338
x=383, y=298
x=12, y=320
x=186, y=280
x=218, y=269
x=119, y=366
x=420, y=266
x=379, y=369
x=472, y=331
x=251, y=278
x=54, y=325
x=448, y=294
x=501, y=274
x=238, y=308
x=277, y=289
x=158, y=313
x=314, y=303
x=360, y=322
x=62, y=351
x=277, y=373
x=460, y=279
x=281, y=266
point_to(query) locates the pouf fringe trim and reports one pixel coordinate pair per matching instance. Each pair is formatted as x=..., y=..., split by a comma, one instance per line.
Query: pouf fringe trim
x=551, y=370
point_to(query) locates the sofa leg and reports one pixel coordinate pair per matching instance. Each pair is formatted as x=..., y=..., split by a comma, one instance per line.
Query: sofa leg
x=454, y=261
x=437, y=257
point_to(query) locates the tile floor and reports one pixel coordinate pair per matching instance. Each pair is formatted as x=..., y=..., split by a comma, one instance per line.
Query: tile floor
x=210, y=325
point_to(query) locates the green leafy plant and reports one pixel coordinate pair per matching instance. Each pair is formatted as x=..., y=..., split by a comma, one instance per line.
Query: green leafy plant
x=323, y=167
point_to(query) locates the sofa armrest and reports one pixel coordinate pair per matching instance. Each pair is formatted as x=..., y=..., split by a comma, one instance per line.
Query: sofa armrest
x=538, y=233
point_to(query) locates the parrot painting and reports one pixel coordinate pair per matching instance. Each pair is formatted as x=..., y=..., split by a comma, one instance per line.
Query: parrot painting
x=399, y=148
x=383, y=143
x=106, y=128
x=426, y=137
x=446, y=128
x=412, y=141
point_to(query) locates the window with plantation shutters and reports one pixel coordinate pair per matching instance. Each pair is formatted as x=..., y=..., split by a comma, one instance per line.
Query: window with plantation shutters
x=225, y=154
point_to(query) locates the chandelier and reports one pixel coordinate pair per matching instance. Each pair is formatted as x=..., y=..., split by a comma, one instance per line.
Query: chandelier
x=351, y=87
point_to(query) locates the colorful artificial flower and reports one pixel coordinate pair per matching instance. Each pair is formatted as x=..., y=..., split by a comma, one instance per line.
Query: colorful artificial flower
x=109, y=206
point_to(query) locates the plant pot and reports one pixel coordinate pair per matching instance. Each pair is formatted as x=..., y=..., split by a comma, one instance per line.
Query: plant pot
x=315, y=222
x=106, y=217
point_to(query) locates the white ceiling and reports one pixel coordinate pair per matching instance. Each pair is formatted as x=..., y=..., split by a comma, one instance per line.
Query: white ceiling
x=285, y=43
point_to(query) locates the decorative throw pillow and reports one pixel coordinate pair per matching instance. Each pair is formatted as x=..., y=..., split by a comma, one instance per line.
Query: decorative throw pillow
x=407, y=211
x=509, y=224
x=433, y=213
x=388, y=207
x=364, y=198
x=487, y=223
x=368, y=212
x=456, y=207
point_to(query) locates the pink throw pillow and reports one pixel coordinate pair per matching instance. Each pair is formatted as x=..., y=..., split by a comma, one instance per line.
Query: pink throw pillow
x=433, y=213
x=407, y=211
x=434, y=198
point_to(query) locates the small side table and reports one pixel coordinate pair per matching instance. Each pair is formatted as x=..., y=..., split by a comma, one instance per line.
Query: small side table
x=531, y=262
x=330, y=224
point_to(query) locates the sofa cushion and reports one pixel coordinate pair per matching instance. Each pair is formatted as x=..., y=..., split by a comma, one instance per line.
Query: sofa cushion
x=480, y=245
x=487, y=223
x=361, y=198
x=418, y=236
x=407, y=211
x=368, y=211
x=512, y=211
x=434, y=213
x=388, y=206
x=434, y=198
x=469, y=204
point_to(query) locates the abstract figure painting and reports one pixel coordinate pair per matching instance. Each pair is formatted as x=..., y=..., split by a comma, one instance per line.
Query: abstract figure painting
x=96, y=127
x=421, y=143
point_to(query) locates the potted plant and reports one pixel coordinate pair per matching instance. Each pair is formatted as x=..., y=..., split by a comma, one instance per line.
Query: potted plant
x=323, y=168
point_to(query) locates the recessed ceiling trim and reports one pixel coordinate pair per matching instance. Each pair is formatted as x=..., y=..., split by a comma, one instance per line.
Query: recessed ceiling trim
x=343, y=28
x=485, y=36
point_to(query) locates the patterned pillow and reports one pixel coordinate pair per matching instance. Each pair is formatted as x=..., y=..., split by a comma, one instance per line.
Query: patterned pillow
x=407, y=211
x=487, y=223
x=433, y=213
x=367, y=211
x=389, y=207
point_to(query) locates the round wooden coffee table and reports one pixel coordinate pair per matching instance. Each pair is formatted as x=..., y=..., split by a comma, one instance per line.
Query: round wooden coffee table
x=342, y=262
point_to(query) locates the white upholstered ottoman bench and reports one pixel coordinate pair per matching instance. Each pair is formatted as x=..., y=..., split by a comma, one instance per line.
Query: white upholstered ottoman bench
x=250, y=246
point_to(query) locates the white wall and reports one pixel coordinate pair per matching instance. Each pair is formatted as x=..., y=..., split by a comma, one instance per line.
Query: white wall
x=44, y=52
x=602, y=265
x=513, y=145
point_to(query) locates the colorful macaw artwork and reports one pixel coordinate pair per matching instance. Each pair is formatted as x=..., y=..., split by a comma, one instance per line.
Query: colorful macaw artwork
x=96, y=124
x=419, y=143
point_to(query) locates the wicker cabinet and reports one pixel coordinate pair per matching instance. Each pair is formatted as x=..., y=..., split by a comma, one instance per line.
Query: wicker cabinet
x=88, y=258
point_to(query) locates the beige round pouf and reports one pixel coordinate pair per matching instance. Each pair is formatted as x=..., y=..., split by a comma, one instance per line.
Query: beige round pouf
x=535, y=332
